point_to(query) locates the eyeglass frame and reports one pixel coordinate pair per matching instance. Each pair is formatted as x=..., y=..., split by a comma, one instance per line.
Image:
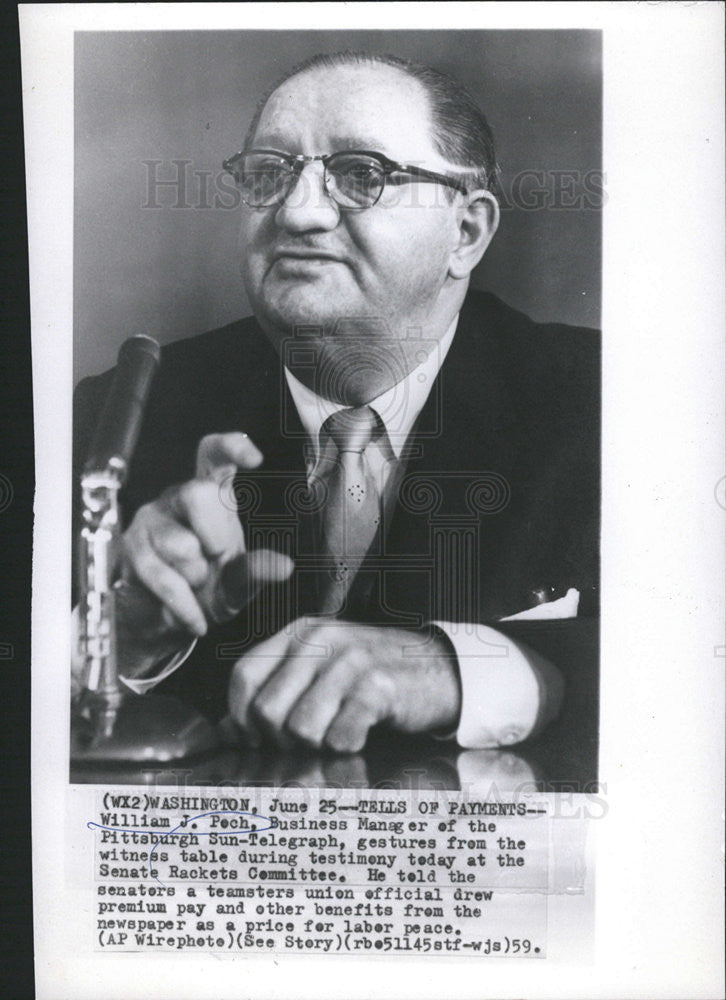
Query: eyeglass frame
x=298, y=162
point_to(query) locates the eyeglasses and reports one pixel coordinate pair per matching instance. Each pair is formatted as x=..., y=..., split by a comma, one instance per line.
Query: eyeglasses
x=354, y=179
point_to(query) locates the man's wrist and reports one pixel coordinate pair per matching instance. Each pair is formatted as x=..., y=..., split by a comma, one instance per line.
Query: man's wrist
x=144, y=640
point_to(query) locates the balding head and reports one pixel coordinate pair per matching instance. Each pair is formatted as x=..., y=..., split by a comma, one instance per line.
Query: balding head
x=460, y=131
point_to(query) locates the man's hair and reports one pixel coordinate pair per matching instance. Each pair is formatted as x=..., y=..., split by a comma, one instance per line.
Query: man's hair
x=460, y=131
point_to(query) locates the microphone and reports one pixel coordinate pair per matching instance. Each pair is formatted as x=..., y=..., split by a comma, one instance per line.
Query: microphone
x=118, y=428
x=110, y=724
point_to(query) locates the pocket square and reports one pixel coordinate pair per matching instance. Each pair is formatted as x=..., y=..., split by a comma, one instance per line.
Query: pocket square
x=563, y=607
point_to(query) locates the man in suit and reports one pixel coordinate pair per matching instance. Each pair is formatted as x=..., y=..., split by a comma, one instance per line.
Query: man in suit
x=389, y=468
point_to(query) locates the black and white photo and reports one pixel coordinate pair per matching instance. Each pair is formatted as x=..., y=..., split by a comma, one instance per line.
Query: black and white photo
x=442, y=579
x=377, y=383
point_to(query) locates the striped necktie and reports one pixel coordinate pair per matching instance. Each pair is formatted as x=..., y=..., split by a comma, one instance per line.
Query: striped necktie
x=352, y=510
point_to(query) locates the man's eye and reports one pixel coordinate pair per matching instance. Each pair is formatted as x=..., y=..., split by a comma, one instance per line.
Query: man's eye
x=360, y=173
x=264, y=179
x=271, y=168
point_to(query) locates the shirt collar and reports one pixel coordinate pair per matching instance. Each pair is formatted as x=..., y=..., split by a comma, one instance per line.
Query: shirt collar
x=398, y=407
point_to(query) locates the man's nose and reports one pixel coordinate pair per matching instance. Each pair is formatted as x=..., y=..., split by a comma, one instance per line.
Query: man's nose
x=308, y=205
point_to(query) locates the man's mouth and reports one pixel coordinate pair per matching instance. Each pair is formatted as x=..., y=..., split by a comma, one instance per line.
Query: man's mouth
x=307, y=254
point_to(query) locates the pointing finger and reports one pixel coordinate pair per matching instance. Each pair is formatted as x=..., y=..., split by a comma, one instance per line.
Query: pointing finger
x=197, y=504
x=217, y=452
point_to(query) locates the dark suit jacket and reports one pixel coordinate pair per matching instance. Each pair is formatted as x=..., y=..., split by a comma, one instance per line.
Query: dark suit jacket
x=500, y=495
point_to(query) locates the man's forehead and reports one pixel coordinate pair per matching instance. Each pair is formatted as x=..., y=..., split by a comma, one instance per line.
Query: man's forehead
x=371, y=106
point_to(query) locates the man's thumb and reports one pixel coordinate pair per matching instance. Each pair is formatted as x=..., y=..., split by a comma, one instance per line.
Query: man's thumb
x=241, y=578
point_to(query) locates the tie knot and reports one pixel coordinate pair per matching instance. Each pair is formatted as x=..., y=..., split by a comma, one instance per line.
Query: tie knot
x=353, y=429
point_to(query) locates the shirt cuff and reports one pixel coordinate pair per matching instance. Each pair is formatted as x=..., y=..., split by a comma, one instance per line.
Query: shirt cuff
x=140, y=685
x=500, y=688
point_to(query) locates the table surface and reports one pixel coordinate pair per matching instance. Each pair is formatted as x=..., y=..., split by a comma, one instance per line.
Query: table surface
x=559, y=761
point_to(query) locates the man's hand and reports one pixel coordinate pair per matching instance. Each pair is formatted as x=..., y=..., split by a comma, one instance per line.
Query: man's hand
x=325, y=682
x=178, y=546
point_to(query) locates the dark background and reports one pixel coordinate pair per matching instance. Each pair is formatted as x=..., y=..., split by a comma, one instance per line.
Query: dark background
x=173, y=272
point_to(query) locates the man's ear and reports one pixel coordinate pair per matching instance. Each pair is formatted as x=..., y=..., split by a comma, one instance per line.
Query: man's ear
x=477, y=219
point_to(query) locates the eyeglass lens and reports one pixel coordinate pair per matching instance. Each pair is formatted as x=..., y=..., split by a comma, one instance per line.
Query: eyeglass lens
x=351, y=180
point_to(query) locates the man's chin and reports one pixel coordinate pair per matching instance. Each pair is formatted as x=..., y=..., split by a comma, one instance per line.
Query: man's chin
x=289, y=310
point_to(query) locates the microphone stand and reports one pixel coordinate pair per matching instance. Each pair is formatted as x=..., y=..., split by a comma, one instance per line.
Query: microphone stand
x=110, y=724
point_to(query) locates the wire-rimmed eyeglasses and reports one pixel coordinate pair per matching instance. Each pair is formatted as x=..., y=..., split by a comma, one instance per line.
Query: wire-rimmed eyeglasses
x=354, y=179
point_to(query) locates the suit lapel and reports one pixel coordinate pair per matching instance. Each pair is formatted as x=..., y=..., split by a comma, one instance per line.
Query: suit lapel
x=461, y=458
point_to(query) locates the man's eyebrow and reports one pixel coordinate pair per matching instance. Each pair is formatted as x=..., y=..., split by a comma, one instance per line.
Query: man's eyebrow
x=270, y=140
x=276, y=140
x=358, y=142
